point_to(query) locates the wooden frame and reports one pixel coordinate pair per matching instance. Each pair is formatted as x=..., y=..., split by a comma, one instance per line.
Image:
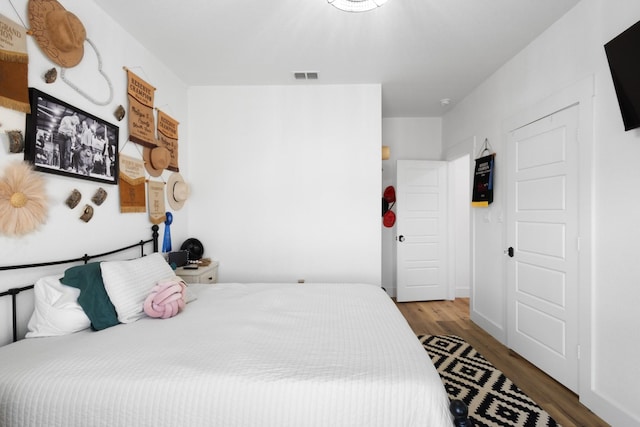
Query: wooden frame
x=64, y=140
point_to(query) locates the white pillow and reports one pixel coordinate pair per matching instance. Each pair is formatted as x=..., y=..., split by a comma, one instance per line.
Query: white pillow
x=128, y=283
x=56, y=310
x=189, y=295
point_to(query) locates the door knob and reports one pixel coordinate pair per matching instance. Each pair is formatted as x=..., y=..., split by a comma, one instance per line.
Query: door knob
x=509, y=252
x=401, y=238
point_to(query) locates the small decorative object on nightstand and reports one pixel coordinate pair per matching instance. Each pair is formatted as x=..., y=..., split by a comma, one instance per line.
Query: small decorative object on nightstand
x=202, y=274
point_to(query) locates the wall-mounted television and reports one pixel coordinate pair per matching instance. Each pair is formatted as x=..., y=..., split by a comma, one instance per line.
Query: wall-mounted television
x=623, y=54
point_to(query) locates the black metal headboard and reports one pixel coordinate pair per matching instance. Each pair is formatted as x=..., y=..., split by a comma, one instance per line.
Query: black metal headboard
x=85, y=258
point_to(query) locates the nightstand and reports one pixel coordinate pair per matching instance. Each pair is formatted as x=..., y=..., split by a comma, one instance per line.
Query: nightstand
x=203, y=274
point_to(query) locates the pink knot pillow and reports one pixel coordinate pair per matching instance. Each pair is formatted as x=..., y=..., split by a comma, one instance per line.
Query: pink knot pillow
x=166, y=298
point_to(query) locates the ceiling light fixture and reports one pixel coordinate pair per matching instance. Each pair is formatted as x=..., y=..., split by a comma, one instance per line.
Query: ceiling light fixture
x=356, y=5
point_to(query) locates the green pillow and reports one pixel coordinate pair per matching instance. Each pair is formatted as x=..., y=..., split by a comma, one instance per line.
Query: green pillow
x=93, y=298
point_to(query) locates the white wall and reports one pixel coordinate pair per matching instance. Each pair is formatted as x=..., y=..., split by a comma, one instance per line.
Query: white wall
x=409, y=138
x=460, y=225
x=64, y=234
x=570, y=51
x=286, y=181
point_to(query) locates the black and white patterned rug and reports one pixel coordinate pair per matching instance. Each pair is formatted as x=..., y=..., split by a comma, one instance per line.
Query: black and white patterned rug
x=493, y=400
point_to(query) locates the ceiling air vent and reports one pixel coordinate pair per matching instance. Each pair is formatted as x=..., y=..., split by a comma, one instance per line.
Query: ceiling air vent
x=305, y=75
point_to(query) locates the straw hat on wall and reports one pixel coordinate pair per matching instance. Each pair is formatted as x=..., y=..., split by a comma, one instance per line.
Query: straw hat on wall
x=156, y=160
x=58, y=32
x=177, y=191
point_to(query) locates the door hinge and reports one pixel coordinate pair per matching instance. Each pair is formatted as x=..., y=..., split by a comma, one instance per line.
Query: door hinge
x=578, y=352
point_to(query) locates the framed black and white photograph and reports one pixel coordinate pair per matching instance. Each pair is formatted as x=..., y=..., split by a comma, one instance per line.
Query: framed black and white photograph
x=64, y=140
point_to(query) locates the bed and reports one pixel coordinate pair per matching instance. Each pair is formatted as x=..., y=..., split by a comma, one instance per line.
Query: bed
x=237, y=354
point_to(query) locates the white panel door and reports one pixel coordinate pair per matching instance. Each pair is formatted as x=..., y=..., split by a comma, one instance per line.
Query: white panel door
x=421, y=215
x=542, y=232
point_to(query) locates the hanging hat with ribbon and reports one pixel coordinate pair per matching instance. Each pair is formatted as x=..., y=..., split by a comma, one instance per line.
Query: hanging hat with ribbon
x=389, y=219
x=390, y=194
x=58, y=32
x=177, y=191
x=388, y=200
x=156, y=160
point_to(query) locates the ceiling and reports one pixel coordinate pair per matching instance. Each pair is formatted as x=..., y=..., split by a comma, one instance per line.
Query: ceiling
x=421, y=51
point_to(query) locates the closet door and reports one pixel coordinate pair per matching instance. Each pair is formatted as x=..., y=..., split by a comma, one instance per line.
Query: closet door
x=542, y=235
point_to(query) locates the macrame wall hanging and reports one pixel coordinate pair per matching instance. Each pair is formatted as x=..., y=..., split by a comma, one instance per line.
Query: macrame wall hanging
x=14, y=64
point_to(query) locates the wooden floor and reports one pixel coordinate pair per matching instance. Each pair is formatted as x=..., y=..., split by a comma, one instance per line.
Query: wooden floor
x=452, y=318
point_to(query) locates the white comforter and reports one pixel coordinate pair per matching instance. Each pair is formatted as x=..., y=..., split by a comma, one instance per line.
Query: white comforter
x=240, y=355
